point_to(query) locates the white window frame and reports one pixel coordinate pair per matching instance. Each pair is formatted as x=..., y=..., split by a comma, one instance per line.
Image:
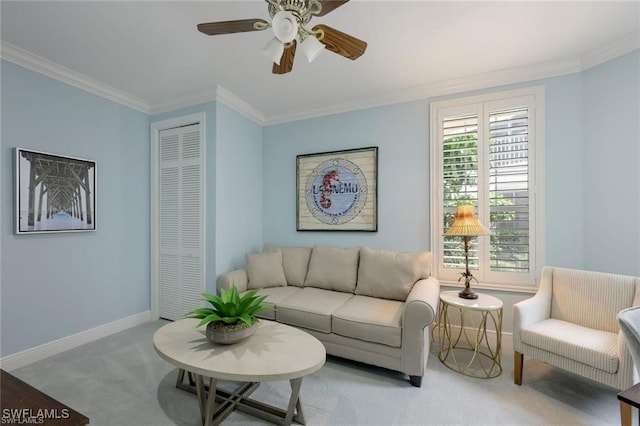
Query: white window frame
x=534, y=99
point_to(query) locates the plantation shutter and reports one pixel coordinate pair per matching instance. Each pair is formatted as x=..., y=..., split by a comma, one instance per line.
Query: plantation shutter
x=180, y=221
x=509, y=189
x=483, y=154
x=460, y=182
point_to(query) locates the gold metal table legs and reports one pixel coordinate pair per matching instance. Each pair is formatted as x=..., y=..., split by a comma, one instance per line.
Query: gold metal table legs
x=466, y=346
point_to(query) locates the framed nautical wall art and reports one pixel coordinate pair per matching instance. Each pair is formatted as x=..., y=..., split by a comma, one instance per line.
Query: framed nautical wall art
x=54, y=193
x=337, y=191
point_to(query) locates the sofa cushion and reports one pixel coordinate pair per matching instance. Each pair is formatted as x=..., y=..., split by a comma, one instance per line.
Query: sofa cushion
x=333, y=268
x=295, y=262
x=265, y=270
x=389, y=274
x=586, y=345
x=274, y=296
x=311, y=308
x=370, y=319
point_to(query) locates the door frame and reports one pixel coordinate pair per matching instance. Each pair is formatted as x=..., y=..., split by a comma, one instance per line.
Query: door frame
x=155, y=129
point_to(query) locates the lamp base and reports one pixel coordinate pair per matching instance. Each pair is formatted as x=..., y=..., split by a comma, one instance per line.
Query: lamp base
x=467, y=293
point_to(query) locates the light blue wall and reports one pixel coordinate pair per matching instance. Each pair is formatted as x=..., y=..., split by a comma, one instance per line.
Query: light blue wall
x=589, y=185
x=401, y=134
x=238, y=189
x=56, y=285
x=53, y=286
x=611, y=171
x=563, y=171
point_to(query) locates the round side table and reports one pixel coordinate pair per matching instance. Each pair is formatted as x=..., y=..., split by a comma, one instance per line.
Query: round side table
x=465, y=345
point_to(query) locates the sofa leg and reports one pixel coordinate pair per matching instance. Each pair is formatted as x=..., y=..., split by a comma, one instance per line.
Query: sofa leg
x=518, y=360
x=416, y=381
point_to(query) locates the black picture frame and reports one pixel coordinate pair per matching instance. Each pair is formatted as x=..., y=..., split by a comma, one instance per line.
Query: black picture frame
x=54, y=193
x=337, y=190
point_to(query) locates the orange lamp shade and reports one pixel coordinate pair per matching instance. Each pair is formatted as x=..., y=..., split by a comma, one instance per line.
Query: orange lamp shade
x=466, y=224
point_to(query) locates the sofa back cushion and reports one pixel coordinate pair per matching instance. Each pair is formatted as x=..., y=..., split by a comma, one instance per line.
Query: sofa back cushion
x=390, y=274
x=295, y=262
x=333, y=268
x=265, y=269
x=591, y=299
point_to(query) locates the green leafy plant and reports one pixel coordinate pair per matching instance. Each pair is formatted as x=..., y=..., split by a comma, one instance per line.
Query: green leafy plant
x=230, y=307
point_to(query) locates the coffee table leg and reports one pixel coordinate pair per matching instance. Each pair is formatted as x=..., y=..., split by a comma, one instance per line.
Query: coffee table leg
x=240, y=400
x=211, y=402
x=201, y=396
x=207, y=400
x=294, y=403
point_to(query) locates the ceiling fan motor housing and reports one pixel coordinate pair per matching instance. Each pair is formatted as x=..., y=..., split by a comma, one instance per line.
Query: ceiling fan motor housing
x=301, y=9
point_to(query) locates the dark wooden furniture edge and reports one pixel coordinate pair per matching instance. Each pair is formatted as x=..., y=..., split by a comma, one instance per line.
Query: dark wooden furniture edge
x=20, y=401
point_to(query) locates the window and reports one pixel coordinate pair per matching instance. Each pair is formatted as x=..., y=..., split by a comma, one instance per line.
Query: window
x=488, y=151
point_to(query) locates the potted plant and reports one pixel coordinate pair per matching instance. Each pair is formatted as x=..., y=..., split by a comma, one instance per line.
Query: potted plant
x=231, y=317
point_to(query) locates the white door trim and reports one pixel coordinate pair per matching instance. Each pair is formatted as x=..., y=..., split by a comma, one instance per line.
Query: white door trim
x=156, y=128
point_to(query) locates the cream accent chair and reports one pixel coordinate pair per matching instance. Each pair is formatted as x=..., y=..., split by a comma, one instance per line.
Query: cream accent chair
x=571, y=323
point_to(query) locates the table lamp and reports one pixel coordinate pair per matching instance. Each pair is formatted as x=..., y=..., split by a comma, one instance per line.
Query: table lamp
x=466, y=225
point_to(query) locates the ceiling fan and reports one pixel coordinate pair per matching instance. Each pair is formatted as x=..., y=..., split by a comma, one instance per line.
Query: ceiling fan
x=289, y=19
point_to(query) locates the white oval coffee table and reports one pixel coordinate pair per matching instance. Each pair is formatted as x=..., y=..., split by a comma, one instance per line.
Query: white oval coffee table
x=275, y=352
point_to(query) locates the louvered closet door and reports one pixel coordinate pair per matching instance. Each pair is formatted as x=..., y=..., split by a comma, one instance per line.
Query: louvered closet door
x=180, y=221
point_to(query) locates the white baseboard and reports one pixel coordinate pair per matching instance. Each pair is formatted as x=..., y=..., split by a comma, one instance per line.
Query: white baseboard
x=28, y=356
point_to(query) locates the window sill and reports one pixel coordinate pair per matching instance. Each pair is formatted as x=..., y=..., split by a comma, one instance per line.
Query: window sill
x=513, y=288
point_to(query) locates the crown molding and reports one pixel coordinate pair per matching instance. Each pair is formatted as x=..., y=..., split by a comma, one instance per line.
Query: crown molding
x=221, y=95
x=539, y=71
x=240, y=106
x=611, y=51
x=441, y=88
x=202, y=97
x=48, y=68
x=549, y=69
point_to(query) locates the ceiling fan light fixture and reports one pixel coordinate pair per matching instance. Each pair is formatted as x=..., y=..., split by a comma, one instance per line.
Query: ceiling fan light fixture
x=311, y=47
x=285, y=26
x=274, y=50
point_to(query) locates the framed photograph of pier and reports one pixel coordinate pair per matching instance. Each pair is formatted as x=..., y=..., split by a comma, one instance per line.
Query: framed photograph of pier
x=337, y=191
x=54, y=193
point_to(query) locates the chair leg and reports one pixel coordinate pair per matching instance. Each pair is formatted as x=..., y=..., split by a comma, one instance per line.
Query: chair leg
x=625, y=414
x=518, y=360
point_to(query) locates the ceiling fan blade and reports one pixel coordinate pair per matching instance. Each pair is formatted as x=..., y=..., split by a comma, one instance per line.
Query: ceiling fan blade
x=341, y=43
x=330, y=5
x=229, y=27
x=286, y=62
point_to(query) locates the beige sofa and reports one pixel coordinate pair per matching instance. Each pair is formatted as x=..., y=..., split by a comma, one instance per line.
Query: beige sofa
x=367, y=305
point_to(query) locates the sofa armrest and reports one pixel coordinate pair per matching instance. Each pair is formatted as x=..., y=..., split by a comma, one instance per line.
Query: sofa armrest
x=419, y=313
x=422, y=303
x=238, y=277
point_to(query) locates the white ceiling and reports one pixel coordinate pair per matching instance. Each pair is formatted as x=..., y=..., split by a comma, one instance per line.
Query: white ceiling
x=151, y=50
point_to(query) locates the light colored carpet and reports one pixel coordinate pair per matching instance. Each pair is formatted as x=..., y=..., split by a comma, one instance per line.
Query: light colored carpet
x=120, y=380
